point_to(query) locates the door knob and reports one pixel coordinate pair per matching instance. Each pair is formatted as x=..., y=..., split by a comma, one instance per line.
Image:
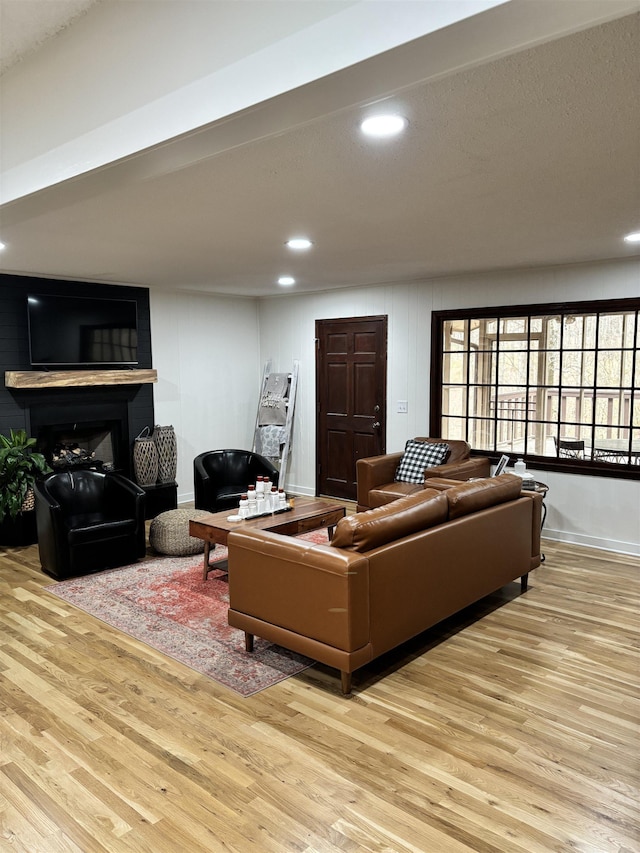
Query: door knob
x=375, y=425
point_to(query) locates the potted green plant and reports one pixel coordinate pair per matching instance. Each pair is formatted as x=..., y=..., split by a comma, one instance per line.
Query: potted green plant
x=20, y=466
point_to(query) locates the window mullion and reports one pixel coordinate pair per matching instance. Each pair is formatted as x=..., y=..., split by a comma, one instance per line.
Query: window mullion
x=560, y=383
x=527, y=387
x=594, y=410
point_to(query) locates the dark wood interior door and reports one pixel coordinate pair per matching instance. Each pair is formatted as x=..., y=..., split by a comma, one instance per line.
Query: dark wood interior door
x=351, y=380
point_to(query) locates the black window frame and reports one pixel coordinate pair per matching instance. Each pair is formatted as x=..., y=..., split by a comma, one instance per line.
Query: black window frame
x=590, y=467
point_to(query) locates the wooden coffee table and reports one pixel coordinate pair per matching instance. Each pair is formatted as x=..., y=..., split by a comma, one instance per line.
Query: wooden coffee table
x=307, y=514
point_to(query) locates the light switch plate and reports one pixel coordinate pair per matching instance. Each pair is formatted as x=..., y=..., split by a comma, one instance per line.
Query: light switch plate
x=402, y=407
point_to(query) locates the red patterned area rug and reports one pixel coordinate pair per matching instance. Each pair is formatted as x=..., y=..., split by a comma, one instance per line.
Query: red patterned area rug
x=165, y=603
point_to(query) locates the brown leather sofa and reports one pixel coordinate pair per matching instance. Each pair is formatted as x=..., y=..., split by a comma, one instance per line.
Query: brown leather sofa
x=375, y=474
x=388, y=574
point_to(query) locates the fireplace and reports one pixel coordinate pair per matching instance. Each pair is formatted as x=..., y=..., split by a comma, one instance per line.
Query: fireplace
x=94, y=444
x=84, y=428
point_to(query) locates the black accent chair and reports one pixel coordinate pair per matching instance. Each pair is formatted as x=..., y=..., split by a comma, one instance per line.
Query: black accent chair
x=221, y=476
x=88, y=521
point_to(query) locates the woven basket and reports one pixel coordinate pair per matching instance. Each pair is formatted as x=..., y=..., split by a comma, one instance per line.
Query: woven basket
x=29, y=502
x=166, y=445
x=145, y=459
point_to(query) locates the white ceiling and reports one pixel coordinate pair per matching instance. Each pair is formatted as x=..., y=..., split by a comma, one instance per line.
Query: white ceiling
x=25, y=25
x=531, y=159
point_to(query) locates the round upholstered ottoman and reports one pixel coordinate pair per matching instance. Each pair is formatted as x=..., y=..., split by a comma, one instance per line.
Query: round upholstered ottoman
x=169, y=534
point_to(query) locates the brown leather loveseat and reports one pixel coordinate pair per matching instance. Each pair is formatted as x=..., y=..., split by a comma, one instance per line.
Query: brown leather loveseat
x=388, y=574
x=375, y=474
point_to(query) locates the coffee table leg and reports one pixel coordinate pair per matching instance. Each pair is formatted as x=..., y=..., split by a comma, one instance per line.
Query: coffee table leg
x=332, y=527
x=221, y=565
x=207, y=568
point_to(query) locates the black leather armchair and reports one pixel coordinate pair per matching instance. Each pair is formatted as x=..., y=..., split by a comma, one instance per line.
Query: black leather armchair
x=88, y=521
x=221, y=476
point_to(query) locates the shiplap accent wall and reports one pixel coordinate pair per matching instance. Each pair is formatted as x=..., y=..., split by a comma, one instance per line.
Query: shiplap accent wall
x=15, y=404
x=209, y=352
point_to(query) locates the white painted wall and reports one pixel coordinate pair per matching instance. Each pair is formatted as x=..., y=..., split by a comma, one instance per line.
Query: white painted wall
x=287, y=331
x=585, y=510
x=595, y=511
x=206, y=352
x=209, y=352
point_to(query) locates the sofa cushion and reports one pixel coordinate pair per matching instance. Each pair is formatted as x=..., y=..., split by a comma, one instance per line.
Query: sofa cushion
x=391, y=492
x=364, y=531
x=417, y=456
x=480, y=494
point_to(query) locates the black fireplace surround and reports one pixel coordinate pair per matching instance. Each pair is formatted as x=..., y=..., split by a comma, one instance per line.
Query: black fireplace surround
x=94, y=421
x=103, y=420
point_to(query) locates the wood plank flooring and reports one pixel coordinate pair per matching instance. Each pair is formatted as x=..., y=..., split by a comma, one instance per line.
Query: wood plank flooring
x=512, y=728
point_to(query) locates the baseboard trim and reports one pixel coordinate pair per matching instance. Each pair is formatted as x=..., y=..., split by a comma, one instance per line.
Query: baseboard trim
x=632, y=548
x=301, y=490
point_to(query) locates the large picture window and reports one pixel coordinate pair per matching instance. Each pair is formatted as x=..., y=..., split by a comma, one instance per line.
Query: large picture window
x=559, y=384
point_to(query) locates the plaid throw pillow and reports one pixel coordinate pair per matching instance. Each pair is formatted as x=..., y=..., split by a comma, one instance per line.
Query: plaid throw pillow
x=417, y=456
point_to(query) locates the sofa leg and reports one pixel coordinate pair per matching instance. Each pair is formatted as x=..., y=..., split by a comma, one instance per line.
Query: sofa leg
x=248, y=641
x=345, y=678
x=524, y=582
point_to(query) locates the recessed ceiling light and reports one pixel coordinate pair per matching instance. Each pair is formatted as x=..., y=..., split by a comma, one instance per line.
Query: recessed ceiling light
x=299, y=243
x=382, y=126
x=286, y=280
x=634, y=237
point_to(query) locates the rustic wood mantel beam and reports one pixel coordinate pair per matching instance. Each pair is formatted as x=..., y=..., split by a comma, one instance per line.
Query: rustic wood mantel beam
x=77, y=378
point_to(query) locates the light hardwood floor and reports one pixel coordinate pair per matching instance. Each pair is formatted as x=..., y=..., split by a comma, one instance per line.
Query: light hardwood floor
x=512, y=727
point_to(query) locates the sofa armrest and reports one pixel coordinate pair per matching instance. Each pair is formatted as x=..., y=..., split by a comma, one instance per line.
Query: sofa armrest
x=375, y=471
x=202, y=485
x=123, y=497
x=53, y=545
x=536, y=527
x=478, y=466
x=316, y=591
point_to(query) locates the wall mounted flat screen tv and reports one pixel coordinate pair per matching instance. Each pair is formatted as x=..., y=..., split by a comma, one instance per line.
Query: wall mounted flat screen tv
x=68, y=331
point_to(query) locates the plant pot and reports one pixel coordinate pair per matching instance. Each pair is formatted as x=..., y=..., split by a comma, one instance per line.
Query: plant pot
x=20, y=530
